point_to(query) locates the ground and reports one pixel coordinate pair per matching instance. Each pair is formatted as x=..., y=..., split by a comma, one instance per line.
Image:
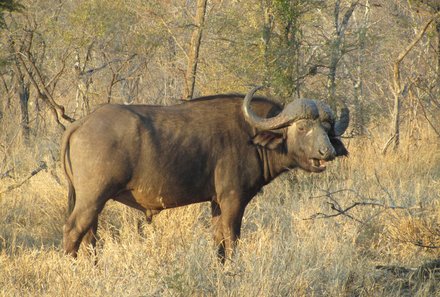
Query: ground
x=298, y=238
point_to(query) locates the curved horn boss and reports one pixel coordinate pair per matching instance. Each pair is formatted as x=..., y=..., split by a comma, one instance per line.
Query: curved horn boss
x=289, y=114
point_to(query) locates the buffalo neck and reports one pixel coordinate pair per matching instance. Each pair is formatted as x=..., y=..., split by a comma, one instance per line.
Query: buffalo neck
x=274, y=162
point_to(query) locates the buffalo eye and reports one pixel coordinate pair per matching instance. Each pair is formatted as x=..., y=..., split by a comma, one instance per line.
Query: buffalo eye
x=301, y=127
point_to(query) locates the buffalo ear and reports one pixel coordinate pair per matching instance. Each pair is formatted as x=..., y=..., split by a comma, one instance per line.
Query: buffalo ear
x=339, y=147
x=269, y=139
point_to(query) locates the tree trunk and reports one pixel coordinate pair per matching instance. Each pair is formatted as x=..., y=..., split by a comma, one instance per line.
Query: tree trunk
x=331, y=78
x=193, y=57
x=336, y=53
x=396, y=119
x=23, y=93
x=358, y=100
x=437, y=26
x=267, y=32
x=7, y=99
x=400, y=91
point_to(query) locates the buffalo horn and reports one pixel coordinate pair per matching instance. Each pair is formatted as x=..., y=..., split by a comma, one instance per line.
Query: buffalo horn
x=343, y=121
x=258, y=122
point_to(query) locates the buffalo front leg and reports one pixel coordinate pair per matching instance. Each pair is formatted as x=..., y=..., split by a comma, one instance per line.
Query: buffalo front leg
x=232, y=210
x=217, y=230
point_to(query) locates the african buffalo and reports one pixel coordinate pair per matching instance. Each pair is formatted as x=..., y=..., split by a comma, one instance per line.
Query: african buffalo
x=221, y=149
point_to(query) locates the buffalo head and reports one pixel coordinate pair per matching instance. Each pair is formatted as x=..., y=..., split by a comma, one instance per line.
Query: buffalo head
x=305, y=129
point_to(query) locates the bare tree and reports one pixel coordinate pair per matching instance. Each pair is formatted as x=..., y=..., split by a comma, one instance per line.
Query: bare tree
x=340, y=27
x=22, y=85
x=27, y=49
x=362, y=21
x=193, y=57
x=268, y=25
x=400, y=90
x=434, y=6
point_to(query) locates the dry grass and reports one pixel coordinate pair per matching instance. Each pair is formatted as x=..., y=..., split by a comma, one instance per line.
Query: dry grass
x=282, y=252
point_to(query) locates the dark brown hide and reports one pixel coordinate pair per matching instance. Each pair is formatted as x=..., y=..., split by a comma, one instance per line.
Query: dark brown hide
x=156, y=157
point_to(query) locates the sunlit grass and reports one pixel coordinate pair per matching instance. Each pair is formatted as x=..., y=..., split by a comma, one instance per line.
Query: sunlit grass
x=289, y=245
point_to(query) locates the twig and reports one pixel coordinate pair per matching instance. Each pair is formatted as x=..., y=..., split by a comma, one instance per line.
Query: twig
x=7, y=173
x=426, y=117
x=429, y=246
x=387, y=144
x=164, y=23
x=328, y=193
x=383, y=188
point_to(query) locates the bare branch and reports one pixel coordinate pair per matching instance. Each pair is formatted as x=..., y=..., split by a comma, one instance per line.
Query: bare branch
x=390, y=197
x=427, y=118
x=173, y=36
x=7, y=173
x=387, y=144
x=347, y=16
x=336, y=14
x=40, y=167
x=343, y=211
x=44, y=94
x=405, y=52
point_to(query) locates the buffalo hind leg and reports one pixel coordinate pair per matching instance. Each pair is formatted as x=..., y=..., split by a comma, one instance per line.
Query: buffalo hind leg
x=90, y=238
x=217, y=229
x=82, y=220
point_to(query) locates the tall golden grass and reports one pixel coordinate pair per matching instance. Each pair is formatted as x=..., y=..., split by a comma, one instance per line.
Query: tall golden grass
x=296, y=239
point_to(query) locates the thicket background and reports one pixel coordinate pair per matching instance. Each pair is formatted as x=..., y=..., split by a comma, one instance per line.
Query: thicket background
x=368, y=226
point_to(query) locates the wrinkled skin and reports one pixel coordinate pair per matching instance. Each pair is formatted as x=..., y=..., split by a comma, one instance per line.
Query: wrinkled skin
x=152, y=158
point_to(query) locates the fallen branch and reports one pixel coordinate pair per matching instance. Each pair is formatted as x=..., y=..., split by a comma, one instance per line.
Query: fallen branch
x=339, y=210
x=425, y=246
x=428, y=270
x=343, y=211
x=34, y=172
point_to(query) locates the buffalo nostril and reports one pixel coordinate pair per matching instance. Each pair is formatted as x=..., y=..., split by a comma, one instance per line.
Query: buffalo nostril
x=327, y=152
x=324, y=151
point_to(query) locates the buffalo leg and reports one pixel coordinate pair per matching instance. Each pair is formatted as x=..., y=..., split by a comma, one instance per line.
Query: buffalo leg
x=89, y=240
x=232, y=214
x=217, y=229
x=83, y=218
